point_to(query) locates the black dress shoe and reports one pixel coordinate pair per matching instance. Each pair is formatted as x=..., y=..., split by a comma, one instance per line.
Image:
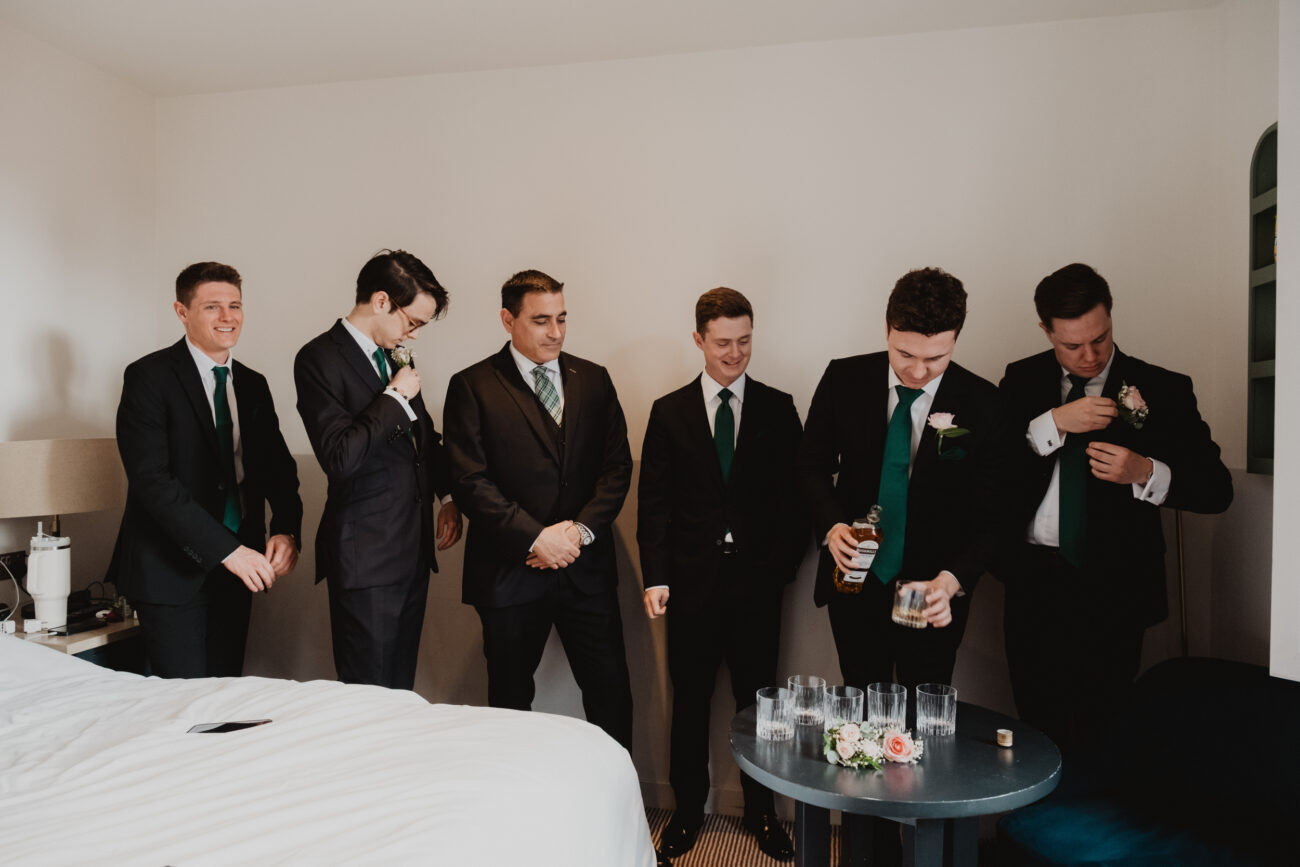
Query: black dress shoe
x=772, y=838
x=679, y=834
x=661, y=860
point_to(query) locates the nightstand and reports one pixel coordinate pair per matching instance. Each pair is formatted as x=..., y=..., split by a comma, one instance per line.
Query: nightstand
x=119, y=646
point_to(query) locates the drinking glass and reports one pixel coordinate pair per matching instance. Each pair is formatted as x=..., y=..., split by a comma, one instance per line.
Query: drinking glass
x=775, y=716
x=908, y=605
x=887, y=705
x=843, y=704
x=936, y=709
x=809, y=698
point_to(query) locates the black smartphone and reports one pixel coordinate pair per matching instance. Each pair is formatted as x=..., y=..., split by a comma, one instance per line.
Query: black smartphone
x=223, y=727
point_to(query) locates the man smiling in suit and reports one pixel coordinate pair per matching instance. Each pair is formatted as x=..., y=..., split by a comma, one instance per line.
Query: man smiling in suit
x=720, y=533
x=540, y=464
x=203, y=455
x=385, y=463
x=1087, y=574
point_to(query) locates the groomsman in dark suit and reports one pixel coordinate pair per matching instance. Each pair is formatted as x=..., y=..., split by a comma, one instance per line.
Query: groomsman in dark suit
x=359, y=398
x=1105, y=440
x=203, y=455
x=721, y=534
x=540, y=465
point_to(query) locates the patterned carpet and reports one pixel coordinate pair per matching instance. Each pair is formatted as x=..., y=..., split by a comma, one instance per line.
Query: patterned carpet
x=724, y=843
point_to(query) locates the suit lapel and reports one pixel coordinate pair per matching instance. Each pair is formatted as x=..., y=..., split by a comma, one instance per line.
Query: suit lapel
x=695, y=415
x=753, y=416
x=192, y=385
x=354, y=357
x=875, y=424
x=507, y=373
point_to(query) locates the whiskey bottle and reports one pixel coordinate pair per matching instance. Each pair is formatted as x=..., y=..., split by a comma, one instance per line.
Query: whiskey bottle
x=867, y=532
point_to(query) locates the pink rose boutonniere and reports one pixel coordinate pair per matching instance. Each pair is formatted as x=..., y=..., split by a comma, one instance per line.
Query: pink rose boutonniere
x=1132, y=408
x=945, y=428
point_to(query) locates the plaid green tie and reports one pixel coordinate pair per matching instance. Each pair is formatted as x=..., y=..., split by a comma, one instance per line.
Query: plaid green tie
x=546, y=392
x=382, y=362
x=1073, y=486
x=724, y=432
x=226, y=445
x=893, y=486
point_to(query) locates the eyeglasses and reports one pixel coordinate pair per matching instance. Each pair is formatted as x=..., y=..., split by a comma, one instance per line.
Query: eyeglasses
x=411, y=324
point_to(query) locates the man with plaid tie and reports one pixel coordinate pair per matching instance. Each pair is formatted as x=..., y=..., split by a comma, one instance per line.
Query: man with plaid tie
x=361, y=405
x=203, y=455
x=1104, y=441
x=540, y=465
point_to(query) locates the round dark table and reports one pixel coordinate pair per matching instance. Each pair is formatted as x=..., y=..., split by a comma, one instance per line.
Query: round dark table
x=960, y=777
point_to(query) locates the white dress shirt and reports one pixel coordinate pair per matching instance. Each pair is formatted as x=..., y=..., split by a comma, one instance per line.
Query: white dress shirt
x=920, y=410
x=526, y=366
x=369, y=346
x=1044, y=439
x=205, y=365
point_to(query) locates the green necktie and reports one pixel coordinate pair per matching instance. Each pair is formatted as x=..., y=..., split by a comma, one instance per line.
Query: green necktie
x=724, y=432
x=226, y=444
x=893, y=486
x=546, y=392
x=1073, y=482
x=382, y=362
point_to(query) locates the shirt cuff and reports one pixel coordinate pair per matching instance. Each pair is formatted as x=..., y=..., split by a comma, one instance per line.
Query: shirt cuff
x=1043, y=437
x=961, y=591
x=1156, y=488
x=657, y=587
x=446, y=498
x=392, y=392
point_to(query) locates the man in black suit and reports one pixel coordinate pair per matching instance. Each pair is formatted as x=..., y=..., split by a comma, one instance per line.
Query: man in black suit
x=720, y=529
x=540, y=465
x=359, y=398
x=1086, y=575
x=203, y=455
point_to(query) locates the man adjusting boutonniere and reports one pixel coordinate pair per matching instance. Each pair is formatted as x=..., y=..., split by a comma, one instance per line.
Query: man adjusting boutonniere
x=945, y=428
x=403, y=356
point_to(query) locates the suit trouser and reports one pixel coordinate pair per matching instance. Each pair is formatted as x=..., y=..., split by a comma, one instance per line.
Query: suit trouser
x=376, y=631
x=590, y=628
x=203, y=637
x=873, y=648
x=738, y=625
x=1071, y=651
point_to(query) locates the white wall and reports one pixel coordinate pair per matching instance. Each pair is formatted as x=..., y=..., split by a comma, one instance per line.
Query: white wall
x=1284, y=658
x=809, y=176
x=77, y=243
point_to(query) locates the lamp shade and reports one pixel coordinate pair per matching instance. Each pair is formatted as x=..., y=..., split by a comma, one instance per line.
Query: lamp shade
x=60, y=477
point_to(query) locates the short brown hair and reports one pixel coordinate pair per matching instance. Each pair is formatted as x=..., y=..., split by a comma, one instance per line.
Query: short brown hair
x=402, y=277
x=204, y=272
x=928, y=301
x=721, y=303
x=523, y=282
x=1070, y=292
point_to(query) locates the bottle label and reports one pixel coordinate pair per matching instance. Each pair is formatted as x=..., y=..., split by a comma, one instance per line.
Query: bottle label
x=866, y=556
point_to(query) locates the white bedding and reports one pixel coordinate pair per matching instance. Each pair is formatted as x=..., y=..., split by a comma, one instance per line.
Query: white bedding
x=96, y=766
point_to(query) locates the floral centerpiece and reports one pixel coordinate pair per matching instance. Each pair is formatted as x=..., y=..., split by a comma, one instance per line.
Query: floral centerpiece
x=858, y=745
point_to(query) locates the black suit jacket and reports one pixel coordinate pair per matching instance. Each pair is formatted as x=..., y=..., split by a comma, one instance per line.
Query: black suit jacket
x=685, y=508
x=171, y=534
x=383, y=469
x=513, y=474
x=953, y=499
x=1124, y=542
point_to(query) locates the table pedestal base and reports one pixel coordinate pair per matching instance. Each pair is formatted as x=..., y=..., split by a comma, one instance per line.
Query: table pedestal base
x=926, y=842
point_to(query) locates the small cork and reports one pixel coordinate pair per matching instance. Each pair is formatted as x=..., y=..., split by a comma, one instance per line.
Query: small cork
x=1004, y=737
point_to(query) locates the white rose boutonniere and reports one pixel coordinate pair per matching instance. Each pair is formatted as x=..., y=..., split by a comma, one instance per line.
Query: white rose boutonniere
x=945, y=428
x=402, y=356
x=1132, y=408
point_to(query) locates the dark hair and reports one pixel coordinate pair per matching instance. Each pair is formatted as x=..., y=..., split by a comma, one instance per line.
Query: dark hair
x=402, y=276
x=519, y=285
x=928, y=301
x=204, y=272
x=1069, y=293
x=721, y=303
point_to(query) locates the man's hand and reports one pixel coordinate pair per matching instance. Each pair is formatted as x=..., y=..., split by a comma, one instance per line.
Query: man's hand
x=1112, y=463
x=282, y=554
x=656, y=602
x=1083, y=415
x=938, y=595
x=843, y=547
x=449, y=525
x=252, y=568
x=406, y=382
x=555, y=547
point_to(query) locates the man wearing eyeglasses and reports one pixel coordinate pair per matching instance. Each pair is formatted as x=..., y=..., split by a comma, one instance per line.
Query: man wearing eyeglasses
x=360, y=402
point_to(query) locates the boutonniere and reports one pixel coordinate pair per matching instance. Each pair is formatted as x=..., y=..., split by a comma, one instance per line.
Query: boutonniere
x=1132, y=408
x=402, y=356
x=945, y=428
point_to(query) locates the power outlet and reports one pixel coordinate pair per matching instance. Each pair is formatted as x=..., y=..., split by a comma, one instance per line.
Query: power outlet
x=16, y=563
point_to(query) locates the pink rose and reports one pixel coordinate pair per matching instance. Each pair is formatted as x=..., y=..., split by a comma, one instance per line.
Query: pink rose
x=941, y=420
x=850, y=732
x=897, y=747
x=846, y=749
x=1132, y=399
